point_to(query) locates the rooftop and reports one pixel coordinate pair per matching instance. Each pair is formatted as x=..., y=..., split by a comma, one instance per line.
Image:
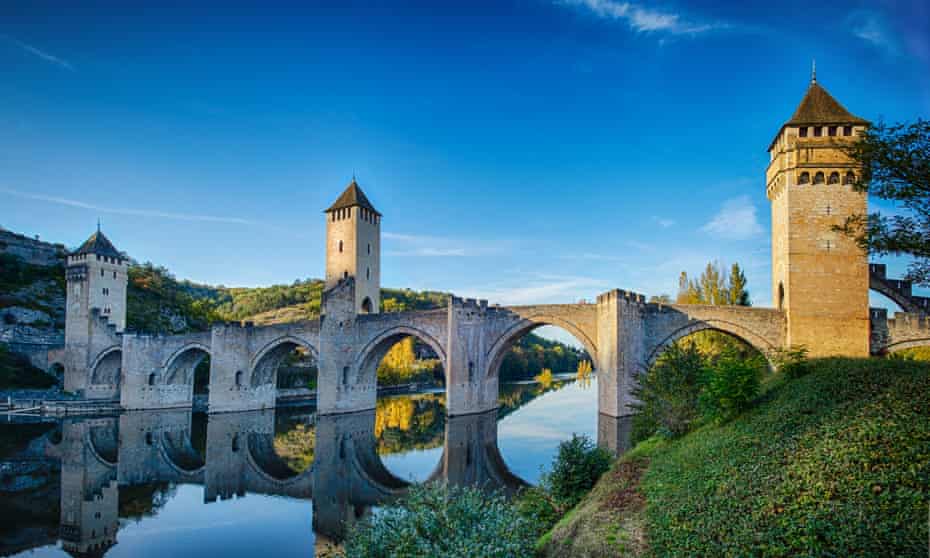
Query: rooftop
x=100, y=245
x=352, y=197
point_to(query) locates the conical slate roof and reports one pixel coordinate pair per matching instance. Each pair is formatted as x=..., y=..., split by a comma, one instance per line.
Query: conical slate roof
x=352, y=197
x=98, y=244
x=819, y=107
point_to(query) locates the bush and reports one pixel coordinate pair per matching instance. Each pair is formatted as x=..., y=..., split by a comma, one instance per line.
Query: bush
x=730, y=386
x=668, y=393
x=575, y=470
x=792, y=362
x=538, y=507
x=443, y=522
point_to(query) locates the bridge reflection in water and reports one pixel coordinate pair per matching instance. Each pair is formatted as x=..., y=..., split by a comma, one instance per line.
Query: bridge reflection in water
x=234, y=454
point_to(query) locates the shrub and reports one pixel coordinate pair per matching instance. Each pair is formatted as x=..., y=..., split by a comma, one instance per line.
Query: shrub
x=668, y=393
x=538, y=507
x=443, y=522
x=793, y=361
x=575, y=470
x=730, y=386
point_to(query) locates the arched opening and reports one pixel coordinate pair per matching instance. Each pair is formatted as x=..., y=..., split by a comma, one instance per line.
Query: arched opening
x=819, y=178
x=834, y=178
x=290, y=364
x=850, y=178
x=805, y=178
x=107, y=370
x=547, y=391
x=682, y=371
x=781, y=296
x=407, y=368
x=367, y=306
x=190, y=367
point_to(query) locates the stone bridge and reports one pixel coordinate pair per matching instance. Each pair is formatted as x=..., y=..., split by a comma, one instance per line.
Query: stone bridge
x=620, y=331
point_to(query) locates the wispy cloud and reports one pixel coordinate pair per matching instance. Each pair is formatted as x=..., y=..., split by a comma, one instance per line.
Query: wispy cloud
x=429, y=252
x=540, y=288
x=663, y=222
x=736, y=220
x=61, y=62
x=645, y=20
x=424, y=246
x=872, y=28
x=130, y=211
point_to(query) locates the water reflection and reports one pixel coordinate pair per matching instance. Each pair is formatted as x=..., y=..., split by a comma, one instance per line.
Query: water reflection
x=313, y=475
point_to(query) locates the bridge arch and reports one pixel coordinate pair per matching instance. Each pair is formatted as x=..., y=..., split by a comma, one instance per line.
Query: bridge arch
x=179, y=453
x=765, y=347
x=366, y=364
x=495, y=355
x=107, y=367
x=905, y=345
x=180, y=366
x=268, y=464
x=888, y=291
x=265, y=363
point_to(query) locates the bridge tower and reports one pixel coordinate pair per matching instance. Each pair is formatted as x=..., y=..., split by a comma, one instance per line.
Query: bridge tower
x=820, y=277
x=353, y=247
x=97, y=274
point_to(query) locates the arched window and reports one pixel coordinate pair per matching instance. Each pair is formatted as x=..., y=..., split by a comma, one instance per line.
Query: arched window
x=148, y=438
x=239, y=375
x=152, y=379
x=345, y=274
x=235, y=442
x=818, y=178
x=345, y=375
x=340, y=246
x=367, y=273
x=369, y=248
x=850, y=178
x=834, y=178
x=805, y=178
x=367, y=306
x=781, y=296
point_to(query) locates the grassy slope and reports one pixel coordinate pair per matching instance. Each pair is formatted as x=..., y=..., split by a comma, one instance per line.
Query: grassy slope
x=835, y=463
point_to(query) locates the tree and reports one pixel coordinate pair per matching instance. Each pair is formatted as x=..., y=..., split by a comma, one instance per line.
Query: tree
x=714, y=287
x=895, y=163
x=736, y=289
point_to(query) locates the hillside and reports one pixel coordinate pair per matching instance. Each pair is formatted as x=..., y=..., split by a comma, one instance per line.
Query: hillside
x=836, y=463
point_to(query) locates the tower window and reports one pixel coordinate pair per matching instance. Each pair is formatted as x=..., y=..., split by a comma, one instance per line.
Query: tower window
x=850, y=178
x=345, y=274
x=340, y=246
x=239, y=378
x=114, y=275
x=802, y=132
x=369, y=248
x=101, y=273
x=847, y=130
x=831, y=131
x=151, y=379
x=834, y=178
x=805, y=178
x=818, y=131
x=367, y=273
x=818, y=178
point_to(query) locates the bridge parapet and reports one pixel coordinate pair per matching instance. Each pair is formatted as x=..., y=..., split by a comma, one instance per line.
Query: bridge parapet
x=906, y=330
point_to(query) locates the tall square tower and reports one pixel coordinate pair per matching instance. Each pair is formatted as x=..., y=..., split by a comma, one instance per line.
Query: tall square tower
x=353, y=247
x=820, y=277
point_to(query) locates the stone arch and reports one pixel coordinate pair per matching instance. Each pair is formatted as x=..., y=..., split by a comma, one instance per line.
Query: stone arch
x=264, y=365
x=904, y=345
x=765, y=347
x=367, y=306
x=103, y=444
x=366, y=364
x=179, y=368
x=107, y=367
x=506, y=340
x=884, y=288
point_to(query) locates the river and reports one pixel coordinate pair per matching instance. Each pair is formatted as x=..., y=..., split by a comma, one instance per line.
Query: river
x=285, y=482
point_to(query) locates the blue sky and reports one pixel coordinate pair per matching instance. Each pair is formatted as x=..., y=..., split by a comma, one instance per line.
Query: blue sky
x=528, y=151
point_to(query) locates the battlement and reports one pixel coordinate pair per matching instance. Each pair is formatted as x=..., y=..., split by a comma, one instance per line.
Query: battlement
x=628, y=297
x=909, y=321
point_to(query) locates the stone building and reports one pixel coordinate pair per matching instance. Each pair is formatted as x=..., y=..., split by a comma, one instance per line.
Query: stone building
x=353, y=247
x=820, y=277
x=97, y=276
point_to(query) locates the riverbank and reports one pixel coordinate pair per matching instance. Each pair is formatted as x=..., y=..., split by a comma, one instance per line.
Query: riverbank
x=834, y=463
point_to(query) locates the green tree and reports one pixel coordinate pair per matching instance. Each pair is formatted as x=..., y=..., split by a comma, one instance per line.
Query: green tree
x=737, y=294
x=895, y=163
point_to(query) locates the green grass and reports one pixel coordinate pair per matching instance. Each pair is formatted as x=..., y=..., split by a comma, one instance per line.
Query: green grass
x=836, y=463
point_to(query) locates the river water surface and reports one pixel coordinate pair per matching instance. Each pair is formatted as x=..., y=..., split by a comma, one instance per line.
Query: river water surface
x=285, y=482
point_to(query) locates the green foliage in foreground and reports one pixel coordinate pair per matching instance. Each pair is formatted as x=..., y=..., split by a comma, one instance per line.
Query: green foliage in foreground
x=17, y=373
x=435, y=521
x=836, y=463
x=575, y=470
